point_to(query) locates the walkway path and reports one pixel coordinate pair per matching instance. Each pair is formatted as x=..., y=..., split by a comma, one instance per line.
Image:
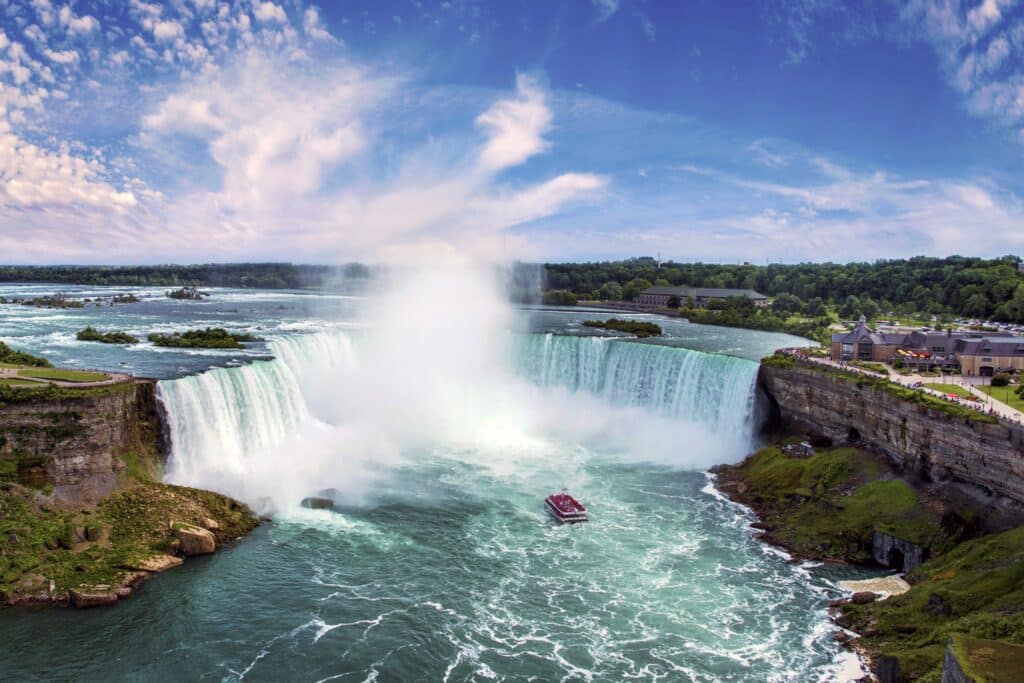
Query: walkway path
x=985, y=404
x=111, y=378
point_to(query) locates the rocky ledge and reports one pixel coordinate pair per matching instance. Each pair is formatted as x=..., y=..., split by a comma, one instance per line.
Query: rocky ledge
x=96, y=555
x=84, y=519
x=850, y=505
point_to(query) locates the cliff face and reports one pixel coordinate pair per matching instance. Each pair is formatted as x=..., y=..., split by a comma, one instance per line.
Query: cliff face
x=923, y=442
x=81, y=446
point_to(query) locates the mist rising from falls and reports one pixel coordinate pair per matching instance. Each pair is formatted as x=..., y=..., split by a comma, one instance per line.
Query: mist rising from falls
x=342, y=409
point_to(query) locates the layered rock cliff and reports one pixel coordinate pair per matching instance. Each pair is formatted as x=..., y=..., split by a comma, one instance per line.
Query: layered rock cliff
x=78, y=445
x=924, y=440
x=84, y=519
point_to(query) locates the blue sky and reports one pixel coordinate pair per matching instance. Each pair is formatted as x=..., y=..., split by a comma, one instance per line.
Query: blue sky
x=207, y=130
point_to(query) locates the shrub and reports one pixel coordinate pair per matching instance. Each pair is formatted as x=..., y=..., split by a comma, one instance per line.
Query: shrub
x=92, y=334
x=12, y=357
x=640, y=329
x=210, y=338
x=559, y=297
x=1000, y=379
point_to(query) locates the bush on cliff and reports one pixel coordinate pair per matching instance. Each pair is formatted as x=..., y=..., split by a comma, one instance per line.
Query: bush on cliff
x=9, y=356
x=829, y=505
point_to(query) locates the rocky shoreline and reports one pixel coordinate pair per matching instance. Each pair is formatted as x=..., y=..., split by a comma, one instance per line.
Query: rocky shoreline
x=851, y=506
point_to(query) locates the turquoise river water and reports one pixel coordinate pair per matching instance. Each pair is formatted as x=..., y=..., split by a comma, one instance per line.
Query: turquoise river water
x=439, y=562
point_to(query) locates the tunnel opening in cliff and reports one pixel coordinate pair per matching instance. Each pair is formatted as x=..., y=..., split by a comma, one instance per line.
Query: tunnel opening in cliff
x=896, y=560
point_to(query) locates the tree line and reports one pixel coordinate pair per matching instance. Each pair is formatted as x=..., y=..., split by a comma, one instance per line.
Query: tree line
x=240, y=275
x=955, y=285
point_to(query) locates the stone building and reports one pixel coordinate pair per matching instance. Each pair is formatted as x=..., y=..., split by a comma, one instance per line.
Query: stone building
x=863, y=343
x=989, y=355
x=700, y=296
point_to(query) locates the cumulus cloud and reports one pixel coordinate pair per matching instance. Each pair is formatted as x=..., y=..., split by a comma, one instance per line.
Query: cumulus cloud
x=296, y=152
x=168, y=30
x=268, y=12
x=31, y=176
x=313, y=27
x=77, y=25
x=516, y=126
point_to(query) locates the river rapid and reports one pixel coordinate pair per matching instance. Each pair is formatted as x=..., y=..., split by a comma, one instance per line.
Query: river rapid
x=438, y=447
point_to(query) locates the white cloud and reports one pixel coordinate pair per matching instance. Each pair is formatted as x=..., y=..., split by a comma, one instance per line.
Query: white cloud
x=77, y=25
x=268, y=12
x=167, y=30
x=31, y=176
x=516, y=126
x=312, y=25
x=973, y=46
x=280, y=137
x=766, y=156
x=35, y=34
x=62, y=56
x=44, y=10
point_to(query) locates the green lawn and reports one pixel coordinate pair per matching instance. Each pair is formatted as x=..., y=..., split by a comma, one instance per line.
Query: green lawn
x=6, y=382
x=1005, y=395
x=951, y=389
x=64, y=375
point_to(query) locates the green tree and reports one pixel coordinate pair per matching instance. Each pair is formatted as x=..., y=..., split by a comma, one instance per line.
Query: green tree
x=633, y=288
x=610, y=291
x=816, y=307
x=788, y=303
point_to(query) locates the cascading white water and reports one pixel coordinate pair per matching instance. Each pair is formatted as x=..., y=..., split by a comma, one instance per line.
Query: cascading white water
x=710, y=389
x=217, y=418
x=238, y=429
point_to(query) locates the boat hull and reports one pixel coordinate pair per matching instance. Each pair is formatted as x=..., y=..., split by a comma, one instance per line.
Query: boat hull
x=574, y=517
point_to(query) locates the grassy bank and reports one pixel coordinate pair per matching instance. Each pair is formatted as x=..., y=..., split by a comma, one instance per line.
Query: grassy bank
x=828, y=506
x=100, y=546
x=976, y=589
x=1005, y=395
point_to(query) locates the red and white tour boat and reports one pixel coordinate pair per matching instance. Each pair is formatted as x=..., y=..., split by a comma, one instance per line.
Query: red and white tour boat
x=565, y=508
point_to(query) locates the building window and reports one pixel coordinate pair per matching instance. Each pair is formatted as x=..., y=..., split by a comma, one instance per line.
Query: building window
x=986, y=359
x=864, y=352
x=939, y=349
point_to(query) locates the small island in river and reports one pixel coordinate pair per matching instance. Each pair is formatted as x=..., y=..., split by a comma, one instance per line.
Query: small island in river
x=635, y=327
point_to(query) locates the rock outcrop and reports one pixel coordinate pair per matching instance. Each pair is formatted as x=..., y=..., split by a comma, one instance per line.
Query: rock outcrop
x=193, y=540
x=79, y=446
x=896, y=553
x=982, y=454
x=952, y=672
